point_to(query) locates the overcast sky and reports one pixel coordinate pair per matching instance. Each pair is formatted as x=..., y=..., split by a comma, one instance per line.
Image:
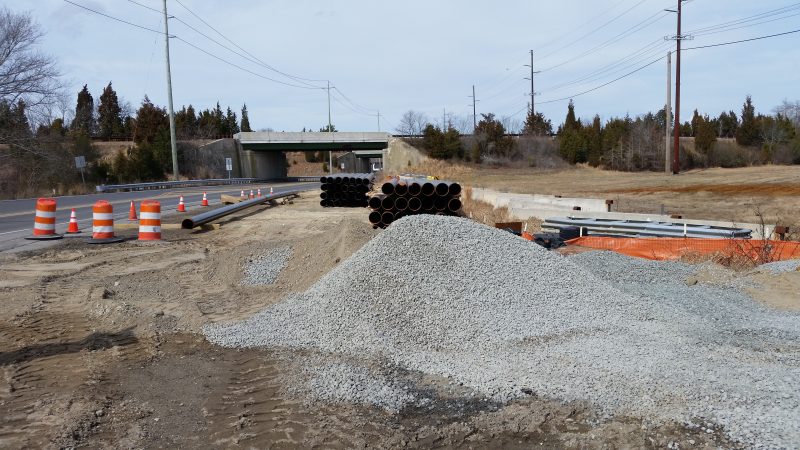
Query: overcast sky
x=425, y=56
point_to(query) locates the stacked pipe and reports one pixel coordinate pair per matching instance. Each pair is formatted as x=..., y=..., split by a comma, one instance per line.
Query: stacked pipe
x=408, y=195
x=346, y=189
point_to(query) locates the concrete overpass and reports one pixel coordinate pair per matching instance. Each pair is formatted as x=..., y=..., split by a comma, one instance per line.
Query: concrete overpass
x=262, y=154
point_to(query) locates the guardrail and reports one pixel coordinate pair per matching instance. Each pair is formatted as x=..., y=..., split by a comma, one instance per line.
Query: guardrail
x=173, y=184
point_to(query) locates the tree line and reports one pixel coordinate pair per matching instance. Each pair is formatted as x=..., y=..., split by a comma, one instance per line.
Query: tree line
x=620, y=143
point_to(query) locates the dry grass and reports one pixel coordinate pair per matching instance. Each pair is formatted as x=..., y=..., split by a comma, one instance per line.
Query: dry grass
x=486, y=214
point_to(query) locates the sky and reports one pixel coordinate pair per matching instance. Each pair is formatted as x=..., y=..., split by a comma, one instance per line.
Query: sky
x=424, y=56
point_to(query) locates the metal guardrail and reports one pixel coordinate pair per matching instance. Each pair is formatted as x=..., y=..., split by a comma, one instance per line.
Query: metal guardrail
x=301, y=179
x=173, y=184
x=645, y=229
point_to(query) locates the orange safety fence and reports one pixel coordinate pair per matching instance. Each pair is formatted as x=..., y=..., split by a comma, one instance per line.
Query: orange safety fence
x=676, y=248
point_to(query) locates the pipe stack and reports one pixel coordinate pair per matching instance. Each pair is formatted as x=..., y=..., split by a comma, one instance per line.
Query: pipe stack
x=346, y=189
x=407, y=195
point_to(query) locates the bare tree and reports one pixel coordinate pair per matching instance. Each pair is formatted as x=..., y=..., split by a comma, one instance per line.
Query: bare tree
x=25, y=73
x=790, y=110
x=412, y=123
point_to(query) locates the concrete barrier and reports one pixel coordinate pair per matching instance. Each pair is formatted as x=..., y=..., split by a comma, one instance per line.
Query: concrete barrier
x=526, y=206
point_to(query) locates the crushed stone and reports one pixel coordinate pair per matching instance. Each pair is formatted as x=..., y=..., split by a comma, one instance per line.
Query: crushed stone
x=264, y=269
x=453, y=298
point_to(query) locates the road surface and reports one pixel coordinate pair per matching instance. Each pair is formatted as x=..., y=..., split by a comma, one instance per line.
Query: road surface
x=16, y=216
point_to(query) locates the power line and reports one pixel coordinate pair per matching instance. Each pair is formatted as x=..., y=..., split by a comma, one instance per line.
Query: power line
x=627, y=32
x=195, y=47
x=114, y=18
x=301, y=79
x=363, y=108
x=243, y=68
x=758, y=16
x=594, y=30
x=743, y=40
x=581, y=26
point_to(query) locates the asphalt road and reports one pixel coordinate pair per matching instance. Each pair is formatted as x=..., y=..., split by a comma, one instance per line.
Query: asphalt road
x=16, y=216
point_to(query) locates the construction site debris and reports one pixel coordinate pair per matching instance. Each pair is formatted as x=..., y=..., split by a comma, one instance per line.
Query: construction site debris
x=483, y=308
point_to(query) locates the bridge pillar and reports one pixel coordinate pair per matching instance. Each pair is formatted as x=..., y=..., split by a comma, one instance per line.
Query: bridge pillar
x=261, y=164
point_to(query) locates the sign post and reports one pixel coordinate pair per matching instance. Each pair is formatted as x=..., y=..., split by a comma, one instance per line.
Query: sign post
x=80, y=163
x=229, y=166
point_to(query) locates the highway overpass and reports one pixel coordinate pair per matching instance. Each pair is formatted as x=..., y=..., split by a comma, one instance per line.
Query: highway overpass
x=262, y=154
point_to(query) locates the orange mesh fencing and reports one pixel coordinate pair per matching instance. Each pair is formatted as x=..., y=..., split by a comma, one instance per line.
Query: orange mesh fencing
x=676, y=248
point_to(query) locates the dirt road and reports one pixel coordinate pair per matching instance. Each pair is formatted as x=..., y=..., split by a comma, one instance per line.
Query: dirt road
x=100, y=348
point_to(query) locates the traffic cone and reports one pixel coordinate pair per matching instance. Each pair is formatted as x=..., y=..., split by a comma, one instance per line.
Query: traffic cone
x=205, y=200
x=73, y=223
x=270, y=191
x=251, y=194
x=132, y=213
x=242, y=194
x=259, y=192
x=181, y=206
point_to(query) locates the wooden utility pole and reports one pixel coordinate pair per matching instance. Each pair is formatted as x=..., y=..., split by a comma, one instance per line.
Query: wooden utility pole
x=676, y=161
x=668, y=113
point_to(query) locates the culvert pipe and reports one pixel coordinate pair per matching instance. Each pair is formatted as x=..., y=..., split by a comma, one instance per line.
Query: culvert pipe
x=206, y=217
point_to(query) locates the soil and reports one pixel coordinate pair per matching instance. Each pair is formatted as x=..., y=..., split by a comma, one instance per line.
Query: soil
x=100, y=347
x=737, y=195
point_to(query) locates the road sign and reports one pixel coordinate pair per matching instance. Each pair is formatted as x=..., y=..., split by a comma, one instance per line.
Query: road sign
x=228, y=166
x=80, y=162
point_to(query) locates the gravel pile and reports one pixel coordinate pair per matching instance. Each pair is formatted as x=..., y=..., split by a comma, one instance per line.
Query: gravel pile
x=264, y=269
x=447, y=296
x=341, y=382
x=778, y=267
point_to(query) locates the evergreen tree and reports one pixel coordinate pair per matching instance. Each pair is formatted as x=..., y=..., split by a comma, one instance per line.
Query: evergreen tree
x=109, y=114
x=705, y=134
x=150, y=120
x=696, y=119
x=537, y=125
x=747, y=133
x=84, y=112
x=571, y=123
x=231, y=124
x=246, y=120
x=728, y=124
x=594, y=141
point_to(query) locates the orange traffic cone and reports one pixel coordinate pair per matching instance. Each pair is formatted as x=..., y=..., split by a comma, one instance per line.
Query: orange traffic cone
x=132, y=213
x=251, y=194
x=270, y=191
x=73, y=223
x=181, y=206
x=205, y=200
x=242, y=194
x=258, y=194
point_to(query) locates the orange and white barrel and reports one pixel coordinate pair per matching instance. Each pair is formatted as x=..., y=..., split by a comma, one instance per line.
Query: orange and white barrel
x=102, y=220
x=44, y=224
x=150, y=220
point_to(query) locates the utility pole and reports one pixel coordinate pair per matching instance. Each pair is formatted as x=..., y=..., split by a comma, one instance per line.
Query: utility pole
x=444, y=118
x=533, y=92
x=668, y=112
x=330, y=127
x=474, y=111
x=676, y=157
x=379, y=120
x=169, y=99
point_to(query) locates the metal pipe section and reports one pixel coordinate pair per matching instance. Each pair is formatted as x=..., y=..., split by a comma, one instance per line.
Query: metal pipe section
x=201, y=219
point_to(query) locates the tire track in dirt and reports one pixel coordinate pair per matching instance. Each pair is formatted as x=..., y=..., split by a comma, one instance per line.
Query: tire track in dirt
x=47, y=360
